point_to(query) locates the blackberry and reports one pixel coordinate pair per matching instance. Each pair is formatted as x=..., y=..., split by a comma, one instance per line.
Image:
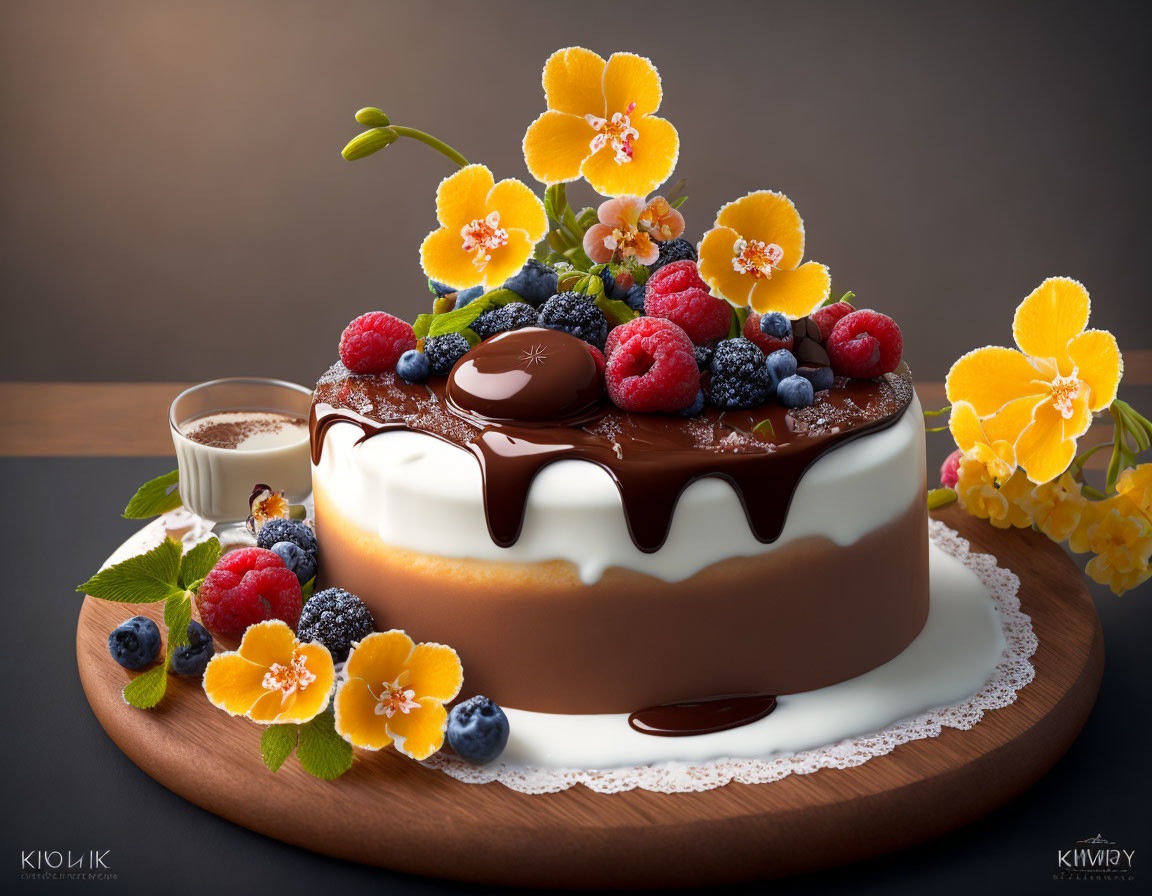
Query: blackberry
x=513, y=316
x=335, y=618
x=192, y=658
x=739, y=377
x=444, y=351
x=295, y=531
x=577, y=315
x=535, y=283
x=703, y=355
x=634, y=298
x=678, y=249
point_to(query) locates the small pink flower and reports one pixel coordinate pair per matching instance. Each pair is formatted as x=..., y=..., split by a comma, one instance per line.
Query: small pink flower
x=950, y=469
x=660, y=221
x=619, y=235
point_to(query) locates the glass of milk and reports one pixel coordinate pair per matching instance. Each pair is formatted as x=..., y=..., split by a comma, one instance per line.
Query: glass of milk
x=232, y=434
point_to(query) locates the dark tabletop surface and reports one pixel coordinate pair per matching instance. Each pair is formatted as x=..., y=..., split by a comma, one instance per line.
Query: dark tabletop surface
x=68, y=787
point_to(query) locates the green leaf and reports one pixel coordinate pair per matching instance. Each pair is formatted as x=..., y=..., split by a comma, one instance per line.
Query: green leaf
x=365, y=144
x=676, y=203
x=832, y=300
x=421, y=324
x=471, y=337
x=323, y=752
x=456, y=321
x=568, y=281
x=198, y=562
x=736, y=328
x=500, y=297
x=277, y=743
x=143, y=579
x=940, y=497
x=371, y=117
x=616, y=311
x=764, y=431
x=154, y=497
x=145, y=691
x=444, y=304
x=177, y=616
x=307, y=588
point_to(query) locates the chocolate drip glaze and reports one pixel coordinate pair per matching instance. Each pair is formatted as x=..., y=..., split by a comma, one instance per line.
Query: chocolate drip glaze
x=702, y=716
x=652, y=458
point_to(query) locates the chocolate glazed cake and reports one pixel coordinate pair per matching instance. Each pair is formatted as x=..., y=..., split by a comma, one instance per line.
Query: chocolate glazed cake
x=584, y=559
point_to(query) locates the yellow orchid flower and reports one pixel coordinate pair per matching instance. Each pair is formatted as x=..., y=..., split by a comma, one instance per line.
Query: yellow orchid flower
x=600, y=124
x=997, y=456
x=271, y=678
x=1057, y=507
x=1041, y=398
x=1136, y=484
x=487, y=229
x=395, y=694
x=1121, y=537
x=752, y=257
x=983, y=497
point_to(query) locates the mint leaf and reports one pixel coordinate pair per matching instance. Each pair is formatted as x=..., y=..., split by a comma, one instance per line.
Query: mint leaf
x=307, y=588
x=421, y=324
x=144, y=579
x=177, y=616
x=277, y=743
x=198, y=561
x=145, y=691
x=764, y=431
x=154, y=497
x=940, y=497
x=617, y=312
x=500, y=297
x=323, y=753
x=458, y=320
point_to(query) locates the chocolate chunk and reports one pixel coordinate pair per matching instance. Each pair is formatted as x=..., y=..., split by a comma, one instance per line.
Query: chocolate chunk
x=810, y=353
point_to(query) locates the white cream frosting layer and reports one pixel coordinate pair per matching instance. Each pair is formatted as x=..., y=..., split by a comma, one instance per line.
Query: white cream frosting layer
x=417, y=492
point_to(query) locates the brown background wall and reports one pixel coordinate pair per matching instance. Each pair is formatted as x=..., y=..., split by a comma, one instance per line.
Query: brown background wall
x=175, y=206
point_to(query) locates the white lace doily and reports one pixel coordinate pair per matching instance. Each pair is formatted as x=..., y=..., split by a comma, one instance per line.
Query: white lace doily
x=1013, y=673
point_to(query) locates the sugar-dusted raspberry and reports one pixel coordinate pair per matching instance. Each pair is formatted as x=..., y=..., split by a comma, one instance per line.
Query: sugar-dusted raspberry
x=767, y=344
x=828, y=316
x=245, y=587
x=651, y=368
x=676, y=293
x=374, y=342
x=865, y=344
x=950, y=469
x=645, y=326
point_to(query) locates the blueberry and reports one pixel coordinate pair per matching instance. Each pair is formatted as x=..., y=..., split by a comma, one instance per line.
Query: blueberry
x=464, y=296
x=192, y=658
x=535, y=283
x=439, y=289
x=136, y=643
x=781, y=364
x=739, y=377
x=477, y=730
x=300, y=561
x=697, y=407
x=577, y=315
x=413, y=367
x=820, y=377
x=296, y=531
x=795, y=392
x=634, y=298
x=444, y=351
x=776, y=325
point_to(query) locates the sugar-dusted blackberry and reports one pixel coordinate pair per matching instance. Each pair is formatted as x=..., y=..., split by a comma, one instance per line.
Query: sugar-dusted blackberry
x=444, y=351
x=279, y=529
x=678, y=249
x=512, y=316
x=703, y=355
x=335, y=618
x=576, y=314
x=739, y=377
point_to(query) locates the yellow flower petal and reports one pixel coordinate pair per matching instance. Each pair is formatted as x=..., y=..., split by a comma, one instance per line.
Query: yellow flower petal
x=268, y=642
x=461, y=197
x=1011, y=420
x=267, y=709
x=436, y=672
x=573, y=82
x=795, y=293
x=443, y=258
x=1048, y=319
x=965, y=426
x=556, y=145
x=356, y=718
x=519, y=208
x=380, y=657
x=1042, y=450
x=629, y=78
x=654, y=154
x=507, y=260
x=715, y=267
x=1098, y=363
x=311, y=701
x=989, y=378
x=419, y=733
x=232, y=683
x=770, y=217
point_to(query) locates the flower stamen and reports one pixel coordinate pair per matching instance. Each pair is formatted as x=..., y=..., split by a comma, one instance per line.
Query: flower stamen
x=616, y=132
x=296, y=676
x=756, y=258
x=395, y=697
x=1065, y=390
x=483, y=237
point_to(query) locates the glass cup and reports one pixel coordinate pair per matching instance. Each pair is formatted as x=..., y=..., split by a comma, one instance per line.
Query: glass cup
x=216, y=482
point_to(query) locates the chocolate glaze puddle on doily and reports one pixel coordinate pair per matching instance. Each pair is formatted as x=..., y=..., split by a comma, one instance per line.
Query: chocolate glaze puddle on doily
x=706, y=716
x=652, y=458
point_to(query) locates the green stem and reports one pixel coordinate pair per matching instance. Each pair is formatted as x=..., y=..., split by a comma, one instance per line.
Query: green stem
x=1079, y=460
x=439, y=145
x=1094, y=493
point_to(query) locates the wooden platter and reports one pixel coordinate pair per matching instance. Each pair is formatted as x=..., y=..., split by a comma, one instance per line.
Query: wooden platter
x=392, y=812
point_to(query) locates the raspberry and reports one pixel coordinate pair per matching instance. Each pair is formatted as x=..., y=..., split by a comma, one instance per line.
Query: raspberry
x=444, y=351
x=677, y=293
x=672, y=251
x=865, y=344
x=575, y=314
x=598, y=357
x=651, y=369
x=950, y=469
x=763, y=341
x=374, y=342
x=246, y=587
x=645, y=326
x=827, y=317
x=739, y=377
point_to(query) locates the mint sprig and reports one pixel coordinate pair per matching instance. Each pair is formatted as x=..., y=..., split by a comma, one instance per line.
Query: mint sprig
x=154, y=497
x=144, y=579
x=322, y=752
x=198, y=562
x=147, y=690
